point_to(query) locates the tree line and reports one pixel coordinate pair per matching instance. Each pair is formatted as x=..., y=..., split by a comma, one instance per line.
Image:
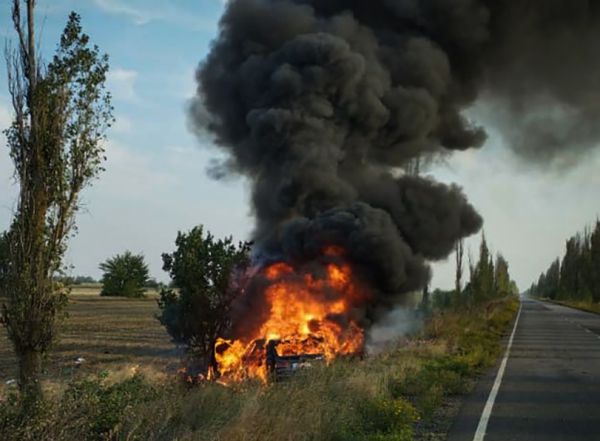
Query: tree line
x=575, y=276
x=489, y=278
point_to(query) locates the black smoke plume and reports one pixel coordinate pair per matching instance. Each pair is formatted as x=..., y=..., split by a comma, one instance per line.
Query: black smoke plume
x=326, y=104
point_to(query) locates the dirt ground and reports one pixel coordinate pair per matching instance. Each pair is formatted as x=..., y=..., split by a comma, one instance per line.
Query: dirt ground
x=108, y=333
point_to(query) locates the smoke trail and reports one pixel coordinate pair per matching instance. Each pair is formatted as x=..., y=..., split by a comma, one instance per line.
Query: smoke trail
x=322, y=104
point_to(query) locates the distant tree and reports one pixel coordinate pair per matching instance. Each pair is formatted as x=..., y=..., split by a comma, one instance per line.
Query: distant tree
x=541, y=285
x=442, y=300
x=152, y=283
x=569, y=272
x=595, y=262
x=514, y=289
x=488, y=279
x=551, y=286
x=577, y=275
x=124, y=275
x=64, y=280
x=459, y=252
x=502, y=282
x=585, y=267
x=482, y=278
x=202, y=269
x=61, y=112
x=80, y=280
x=532, y=291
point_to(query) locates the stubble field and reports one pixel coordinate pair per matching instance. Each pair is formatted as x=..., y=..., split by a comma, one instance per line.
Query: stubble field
x=108, y=333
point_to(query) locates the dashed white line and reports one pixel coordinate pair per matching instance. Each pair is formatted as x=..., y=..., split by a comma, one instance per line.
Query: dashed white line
x=489, y=405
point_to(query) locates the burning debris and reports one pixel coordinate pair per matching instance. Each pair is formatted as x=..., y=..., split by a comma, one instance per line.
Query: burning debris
x=328, y=107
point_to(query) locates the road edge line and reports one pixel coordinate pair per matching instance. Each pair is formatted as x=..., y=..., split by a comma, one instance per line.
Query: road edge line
x=489, y=405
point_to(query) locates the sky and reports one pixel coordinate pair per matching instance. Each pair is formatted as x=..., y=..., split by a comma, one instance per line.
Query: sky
x=156, y=184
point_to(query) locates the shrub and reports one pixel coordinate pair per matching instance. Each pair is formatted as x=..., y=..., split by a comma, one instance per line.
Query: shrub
x=201, y=268
x=87, y=410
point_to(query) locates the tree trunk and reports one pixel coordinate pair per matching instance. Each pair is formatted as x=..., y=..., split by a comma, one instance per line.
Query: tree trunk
x=30, y=369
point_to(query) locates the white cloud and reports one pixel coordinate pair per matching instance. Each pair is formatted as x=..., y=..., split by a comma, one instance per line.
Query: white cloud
x=121, y=83
x=139, y=16
x=144, y=12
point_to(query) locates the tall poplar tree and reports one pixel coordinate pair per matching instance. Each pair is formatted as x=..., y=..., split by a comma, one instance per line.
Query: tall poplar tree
x=61, y=111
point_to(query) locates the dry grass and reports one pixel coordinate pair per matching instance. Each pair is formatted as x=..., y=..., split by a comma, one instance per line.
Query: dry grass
x=93, y=290
x=407, y=393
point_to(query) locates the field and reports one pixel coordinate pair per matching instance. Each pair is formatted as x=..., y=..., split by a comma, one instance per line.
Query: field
x=121, y=392
x=109, y=333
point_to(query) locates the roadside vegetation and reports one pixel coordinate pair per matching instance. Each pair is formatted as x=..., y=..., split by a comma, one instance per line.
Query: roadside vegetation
x=574, y=279
x=126, y=388
x=489, y=278
x=401, y=394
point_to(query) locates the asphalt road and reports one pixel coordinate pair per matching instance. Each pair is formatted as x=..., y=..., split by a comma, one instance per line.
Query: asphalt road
x=550, y=390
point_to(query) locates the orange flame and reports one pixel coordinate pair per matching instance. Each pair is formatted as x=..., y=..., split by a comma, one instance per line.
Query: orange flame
x=306, y=315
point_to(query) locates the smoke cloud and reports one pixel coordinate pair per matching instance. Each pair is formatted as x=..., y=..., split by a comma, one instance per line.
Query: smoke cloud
x=326, y=104
x=391, y=328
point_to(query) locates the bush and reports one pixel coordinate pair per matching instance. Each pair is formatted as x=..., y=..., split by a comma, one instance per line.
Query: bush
x=201, y=268
x=87, y=410
x=124, y=275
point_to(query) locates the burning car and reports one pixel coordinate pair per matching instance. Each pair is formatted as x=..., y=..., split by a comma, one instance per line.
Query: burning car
x=297, y=319
x=280, y=367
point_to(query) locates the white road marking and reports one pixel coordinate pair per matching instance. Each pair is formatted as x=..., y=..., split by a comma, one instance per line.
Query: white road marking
x=489, y=405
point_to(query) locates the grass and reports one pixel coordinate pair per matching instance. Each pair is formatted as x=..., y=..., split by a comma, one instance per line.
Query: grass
x=584, y=305
x=400, y=395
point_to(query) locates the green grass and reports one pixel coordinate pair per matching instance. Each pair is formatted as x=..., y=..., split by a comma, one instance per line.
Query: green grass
x=395, y=396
